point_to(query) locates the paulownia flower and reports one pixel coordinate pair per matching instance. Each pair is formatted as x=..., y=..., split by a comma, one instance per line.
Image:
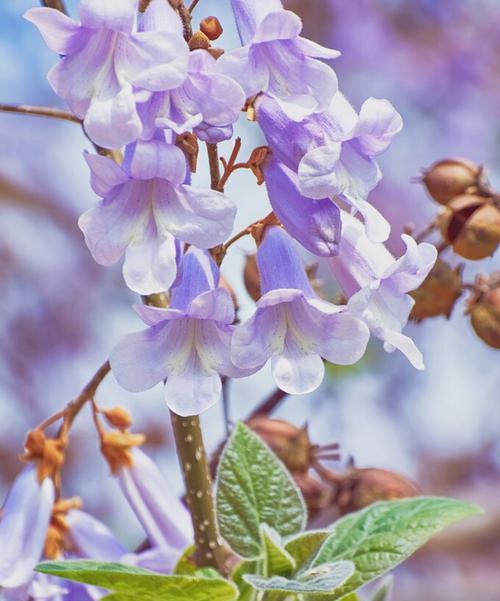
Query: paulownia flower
x=276, y=60
x=105, y=60
x=377, y=284
x=146, y=206
x=293, y=327
x=187, y=344
x=334, y=152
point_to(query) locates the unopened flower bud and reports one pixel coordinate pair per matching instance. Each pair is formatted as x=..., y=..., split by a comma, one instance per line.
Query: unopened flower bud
x=35, y=443
x=471, y=224
x=438, y=293
x=450, y=178
x=362, y=487
x=116, y=447
x=251, y=277
x=47, y=453
x=199, y=41
x=212, y=28
x=484, y=309
x=118, y=417
x=291, y=444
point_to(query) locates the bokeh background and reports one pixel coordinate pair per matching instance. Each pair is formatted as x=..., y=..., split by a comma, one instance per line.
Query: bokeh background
x=438, y=61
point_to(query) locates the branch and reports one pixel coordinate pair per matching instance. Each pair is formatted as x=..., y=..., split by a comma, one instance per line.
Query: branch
x=269, y=405
x=39, y=111
x=57, y=4
x=213, y=161
x=193, y=5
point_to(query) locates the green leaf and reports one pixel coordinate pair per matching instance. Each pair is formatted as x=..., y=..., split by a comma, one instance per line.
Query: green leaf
x=129, y=583
x=186, y=565
x=247, y=593
x=323, y=579
x=254, y=488
x=304, y=546
x=277, y=561
x=383, y=535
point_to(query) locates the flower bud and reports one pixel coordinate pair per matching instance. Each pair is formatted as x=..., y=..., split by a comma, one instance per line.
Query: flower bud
x=362, y=487
x=117, y=446
x=118, y=417
x=471, y=224
x=291, y=444
x=199, y=41
x=251, y=277
x=450, y=178
x=47, y=453
x=438, y=293
x=212, y=28
x=484, y=309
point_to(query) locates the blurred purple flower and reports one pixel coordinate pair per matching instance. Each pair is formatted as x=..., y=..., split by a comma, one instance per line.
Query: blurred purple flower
x=276, y=60
x=188, y=343
x=104, y=59
x=145, y=204
x=334, y=152
x=377, y=284
x=292, y=326
x=23, y=529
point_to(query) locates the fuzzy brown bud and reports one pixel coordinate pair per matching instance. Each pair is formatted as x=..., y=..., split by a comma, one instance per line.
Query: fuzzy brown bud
x=251, y=277
x=450, y=178
x=291, y=444
x=484, y=309
x=471, y=224
x=118, y=417
x=117, y=448
x=47, y=453
x=438, y=293
x=211, y=27
x=199, y=41
x=362, y=487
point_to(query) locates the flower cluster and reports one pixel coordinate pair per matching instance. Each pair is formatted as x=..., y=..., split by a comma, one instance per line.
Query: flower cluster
x=136, y=82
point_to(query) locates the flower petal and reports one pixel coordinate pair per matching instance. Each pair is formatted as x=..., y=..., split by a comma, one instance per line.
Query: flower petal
x=245, y=67
x=192, y=392
x=317, y=172
x=105, y=174
x=278, y=25
x=249, y=14
x=404, y=344
x=198, y=274
x=216, y=305
x=310, y=48
x=296, y=372
x=157, y=159
x=92, y=539
x=61, y=34
x=118, y=15
x=378, y=123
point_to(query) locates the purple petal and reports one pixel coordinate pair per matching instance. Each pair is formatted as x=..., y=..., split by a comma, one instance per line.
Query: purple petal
x=310, y=48
x=117, y=15
x=154, y=60
x=156, y=159
x=378, y=123
x=413, y=267
x=165, y=519
x=278, y=25
x=161, y=16
x=23, y=527
x=216, y=305
x=245, y=67
x=92, y=539
x=159, y=560
x=105, y=174
x=296, y=372
x=313, y=223
x=192, y=391
x=249, y=13
x=153, y=316
x=198, y=274
x=61, y=34
x=317, y=172
x=396, y=340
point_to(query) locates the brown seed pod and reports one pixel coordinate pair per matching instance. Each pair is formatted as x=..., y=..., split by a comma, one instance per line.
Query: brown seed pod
x=359, y=488
x=212, y=28
x=438, y=293
x=471, y=224
x=251, y=277
x=484, y=309
x=450, y=178
x=199, y=41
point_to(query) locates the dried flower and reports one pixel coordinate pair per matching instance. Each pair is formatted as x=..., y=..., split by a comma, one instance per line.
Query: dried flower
x=484, y=310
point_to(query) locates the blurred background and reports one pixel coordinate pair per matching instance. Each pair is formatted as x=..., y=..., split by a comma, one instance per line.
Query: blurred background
x=439, y=63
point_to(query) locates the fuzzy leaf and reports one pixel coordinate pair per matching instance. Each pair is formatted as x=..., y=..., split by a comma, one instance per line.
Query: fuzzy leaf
x=383, y=535
x=129, y=583
x=254, y=488
x=303, y=547
x=278, y=562
x=324, y=579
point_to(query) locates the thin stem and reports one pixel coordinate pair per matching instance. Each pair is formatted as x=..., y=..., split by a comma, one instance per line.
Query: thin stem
x=194, y=465
x=193, y=5
x=39, y=111
x=213, y=162
x=225, y=404
x=57, y=4
x=230, y=166
x=186, y=19
x=269, y=405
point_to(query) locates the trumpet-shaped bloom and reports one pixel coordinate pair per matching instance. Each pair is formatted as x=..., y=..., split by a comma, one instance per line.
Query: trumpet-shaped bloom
x=377, y=284
x=313, y=223
x=23, y=528
x=145, y=207
x=207, y=102
x=276, y=60
x=105, y=61
x=187, y=344
x=334, y=152
x=293, y=327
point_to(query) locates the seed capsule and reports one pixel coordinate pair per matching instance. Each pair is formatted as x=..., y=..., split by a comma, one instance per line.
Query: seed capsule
x=471, y=224
x=438, y=293
x=484, y=309
x=450, y=178
x=212, y=28
x=199, y=41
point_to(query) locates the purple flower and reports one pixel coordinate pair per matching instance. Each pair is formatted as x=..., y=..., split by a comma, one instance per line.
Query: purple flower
x=377, y=284
x=145, y=205
x=292, y=326
x=207, y=101
x=188, y=343
x=104, y=59
x=23, y=528
x=313, y=223
x=334, y=152
x=276, y=60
